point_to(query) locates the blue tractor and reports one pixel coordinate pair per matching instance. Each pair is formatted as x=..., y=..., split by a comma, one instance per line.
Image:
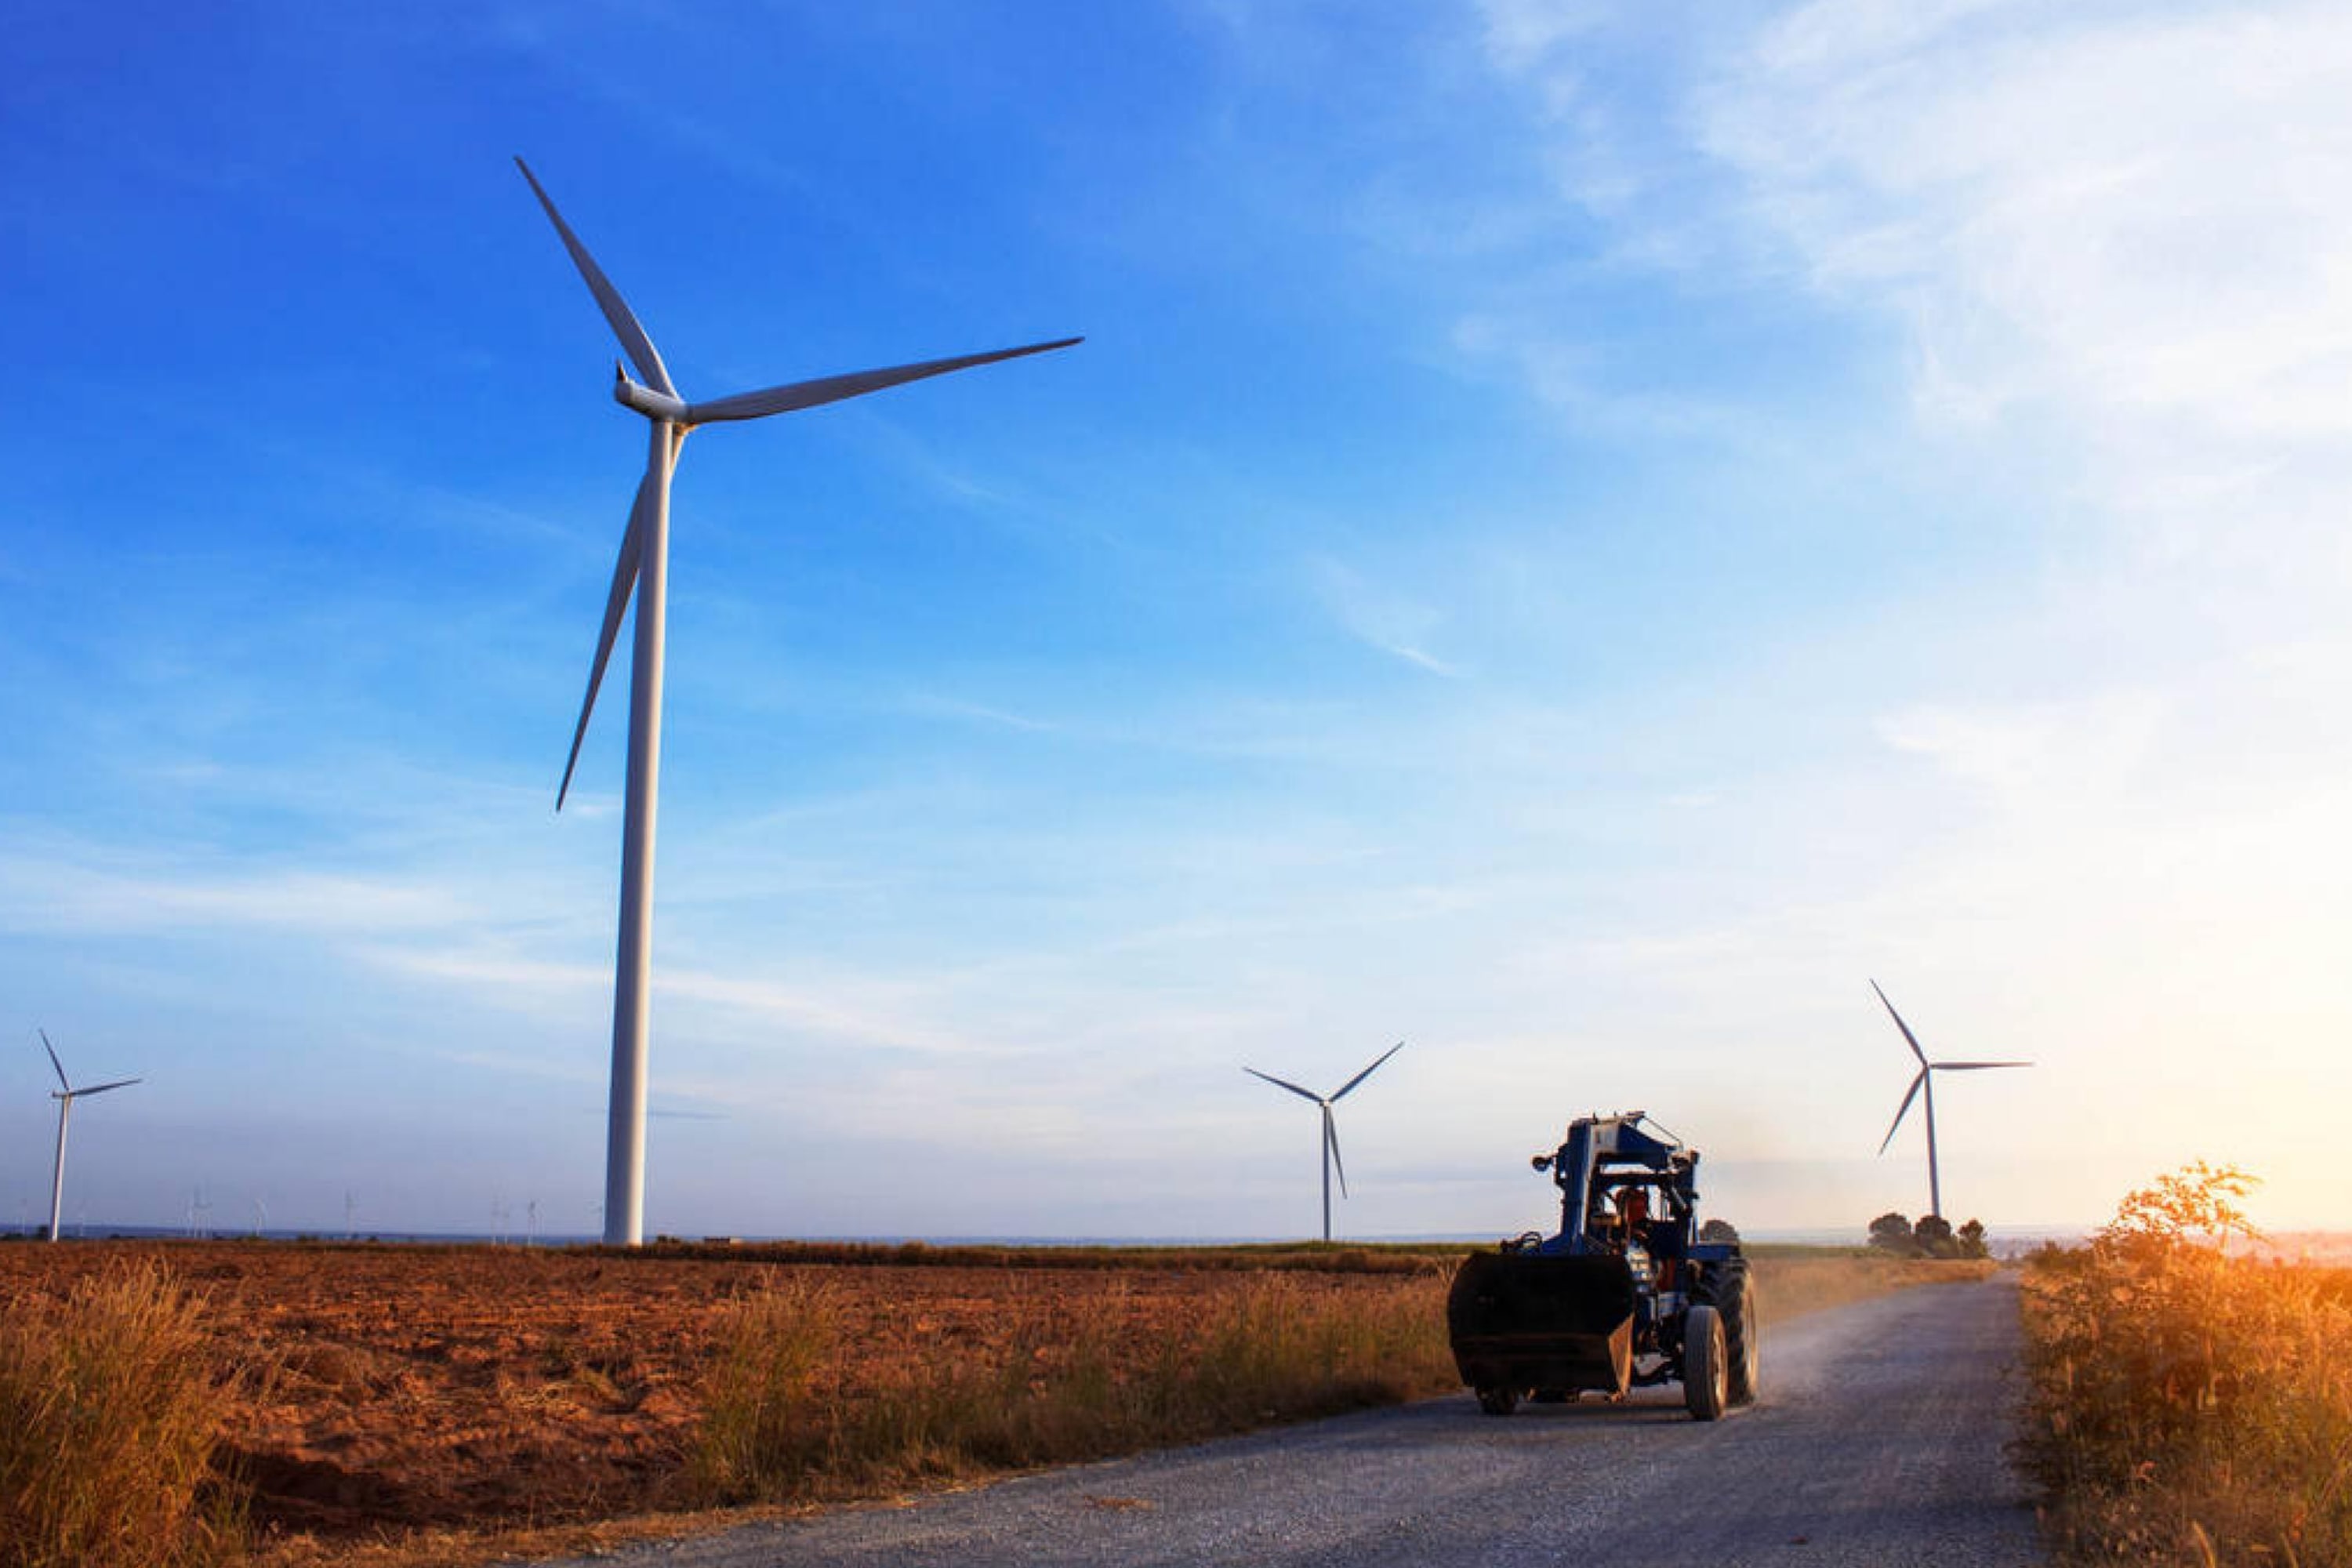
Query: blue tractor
x=1626, y=1296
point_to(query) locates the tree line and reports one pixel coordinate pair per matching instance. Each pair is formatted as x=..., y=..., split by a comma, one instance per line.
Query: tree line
x=1931, y=1237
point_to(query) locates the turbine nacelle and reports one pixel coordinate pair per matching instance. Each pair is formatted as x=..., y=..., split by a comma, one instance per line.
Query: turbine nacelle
x=645, y=400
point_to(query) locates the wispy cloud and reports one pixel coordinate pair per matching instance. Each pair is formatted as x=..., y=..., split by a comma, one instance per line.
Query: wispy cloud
x=981, y=713
x=2121, y=211
x=2046, y=751
x=1381, y=617
x=53, y=896
x=868, y=1014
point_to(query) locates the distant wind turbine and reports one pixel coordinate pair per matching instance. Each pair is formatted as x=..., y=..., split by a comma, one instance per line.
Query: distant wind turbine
x=643, y=565
x=1926, y=1080
x=1331, y=1140
x=65, y=1094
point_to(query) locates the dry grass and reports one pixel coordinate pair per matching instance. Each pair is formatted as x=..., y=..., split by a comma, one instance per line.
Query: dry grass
x=108, y=1414
x=1792, y=1282
x=2191, y=1405
x=780, y=1424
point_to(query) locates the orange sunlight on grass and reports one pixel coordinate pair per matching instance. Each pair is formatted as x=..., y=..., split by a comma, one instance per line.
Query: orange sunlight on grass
x=2192, y=1402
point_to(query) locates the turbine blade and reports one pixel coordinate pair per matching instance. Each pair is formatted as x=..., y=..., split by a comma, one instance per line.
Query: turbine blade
x=63, y=1081
x=1903, y=1110
x=102, y=1088
x=641, y=353
x=1331, y=1136
x=1284, y=1083
x=1369, y=1071
x=1973, y=1067
x=624, y=578
x=834, y=388
x=1910, y=1037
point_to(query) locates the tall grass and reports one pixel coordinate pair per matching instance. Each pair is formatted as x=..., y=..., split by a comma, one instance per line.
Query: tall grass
x=2191, y=1405
x=109, y=1412
x=1087, y=1379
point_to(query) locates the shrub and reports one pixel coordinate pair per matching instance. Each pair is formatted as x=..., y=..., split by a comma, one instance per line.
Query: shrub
x=109, y=1412
x=2190, y=1406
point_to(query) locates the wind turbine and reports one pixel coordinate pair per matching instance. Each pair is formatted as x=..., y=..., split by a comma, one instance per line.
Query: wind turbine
x=65, y=1094
x=1926, y=1080
x=1331, y=1140
x=643, y=565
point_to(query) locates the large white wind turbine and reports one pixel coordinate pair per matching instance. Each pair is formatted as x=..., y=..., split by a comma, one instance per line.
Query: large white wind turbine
x=1926, y=1080
x=1330, y=1143
x=644, y=566
x=65, y=1094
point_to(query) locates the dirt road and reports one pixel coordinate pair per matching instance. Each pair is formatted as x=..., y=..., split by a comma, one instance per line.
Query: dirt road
x=1878, y=1444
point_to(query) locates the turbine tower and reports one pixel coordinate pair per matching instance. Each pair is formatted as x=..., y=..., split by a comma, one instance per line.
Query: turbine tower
x=644, y=566
x=1926, y=1080
x=65, y=1094
x=1330, y=1139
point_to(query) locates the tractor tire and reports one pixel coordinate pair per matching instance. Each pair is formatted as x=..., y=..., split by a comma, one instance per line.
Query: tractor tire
x=1498, y=1401
x=1730, y=1291
x=1706, y=1375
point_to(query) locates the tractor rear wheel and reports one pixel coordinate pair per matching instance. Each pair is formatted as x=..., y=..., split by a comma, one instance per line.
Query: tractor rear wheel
x=1743, y=1335
x=1727, y=1287
x=1498, y=1401
x=1706, y=1377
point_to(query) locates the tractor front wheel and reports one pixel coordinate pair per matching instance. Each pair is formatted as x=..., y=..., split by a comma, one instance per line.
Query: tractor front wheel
x=1705, y=1372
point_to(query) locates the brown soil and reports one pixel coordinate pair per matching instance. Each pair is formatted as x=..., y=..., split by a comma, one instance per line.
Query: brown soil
x=410, y=1389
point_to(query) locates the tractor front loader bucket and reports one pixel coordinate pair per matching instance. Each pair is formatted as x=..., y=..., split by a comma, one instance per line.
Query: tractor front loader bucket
x=1529, y=1321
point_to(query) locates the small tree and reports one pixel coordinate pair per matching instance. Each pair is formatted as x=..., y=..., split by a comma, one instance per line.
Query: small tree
x=1891, y=1232
x=1933, y=1233
x=2195, y=1205
x=1972, y=1240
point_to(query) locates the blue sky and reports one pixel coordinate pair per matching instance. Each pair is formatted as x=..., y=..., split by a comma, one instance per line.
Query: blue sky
x=1578, y=535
